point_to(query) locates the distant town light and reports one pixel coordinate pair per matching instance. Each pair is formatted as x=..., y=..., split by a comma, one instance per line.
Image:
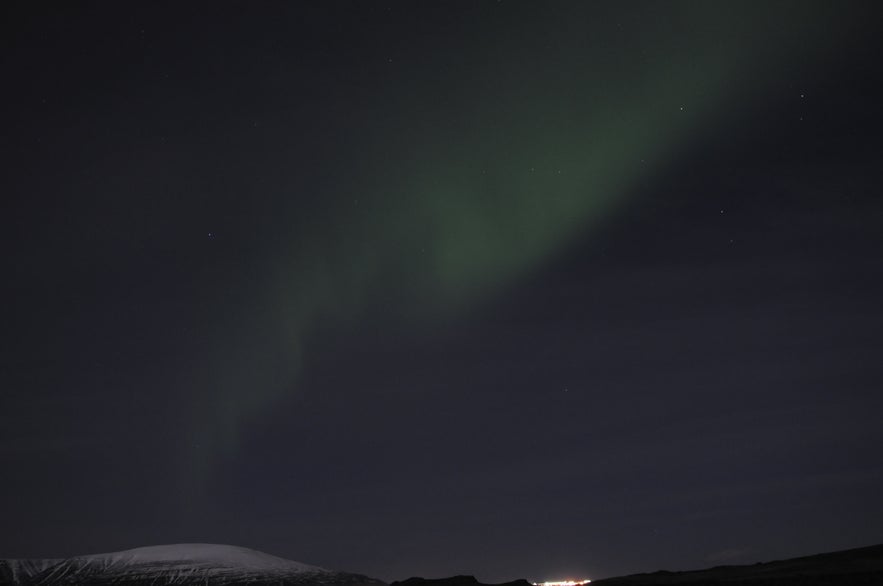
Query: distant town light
x=562, y=583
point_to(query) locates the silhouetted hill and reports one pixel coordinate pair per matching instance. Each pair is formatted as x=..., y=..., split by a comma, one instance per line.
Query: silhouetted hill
x=852, y=567
x=454, y=581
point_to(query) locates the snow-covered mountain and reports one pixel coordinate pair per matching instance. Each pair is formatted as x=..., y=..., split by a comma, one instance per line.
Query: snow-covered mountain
x=184, y=564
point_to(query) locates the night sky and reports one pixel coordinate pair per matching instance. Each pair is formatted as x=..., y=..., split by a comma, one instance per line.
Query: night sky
x=511, y=289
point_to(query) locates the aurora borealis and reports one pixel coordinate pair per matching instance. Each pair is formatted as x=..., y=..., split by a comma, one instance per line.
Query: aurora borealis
x=349, y=282
x=474, y=178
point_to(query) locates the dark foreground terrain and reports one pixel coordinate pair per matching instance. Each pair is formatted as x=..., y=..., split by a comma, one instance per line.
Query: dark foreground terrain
x=852, y=567
x=200, y=564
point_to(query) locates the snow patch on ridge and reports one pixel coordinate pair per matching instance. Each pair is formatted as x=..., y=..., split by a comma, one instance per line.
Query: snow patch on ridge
x=202, y=554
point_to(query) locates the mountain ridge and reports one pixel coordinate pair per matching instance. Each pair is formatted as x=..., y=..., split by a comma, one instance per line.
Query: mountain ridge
x=862, y=565
x=176, y=564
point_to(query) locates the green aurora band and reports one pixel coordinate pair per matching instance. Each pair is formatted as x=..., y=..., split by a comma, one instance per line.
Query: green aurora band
x=471, y=176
